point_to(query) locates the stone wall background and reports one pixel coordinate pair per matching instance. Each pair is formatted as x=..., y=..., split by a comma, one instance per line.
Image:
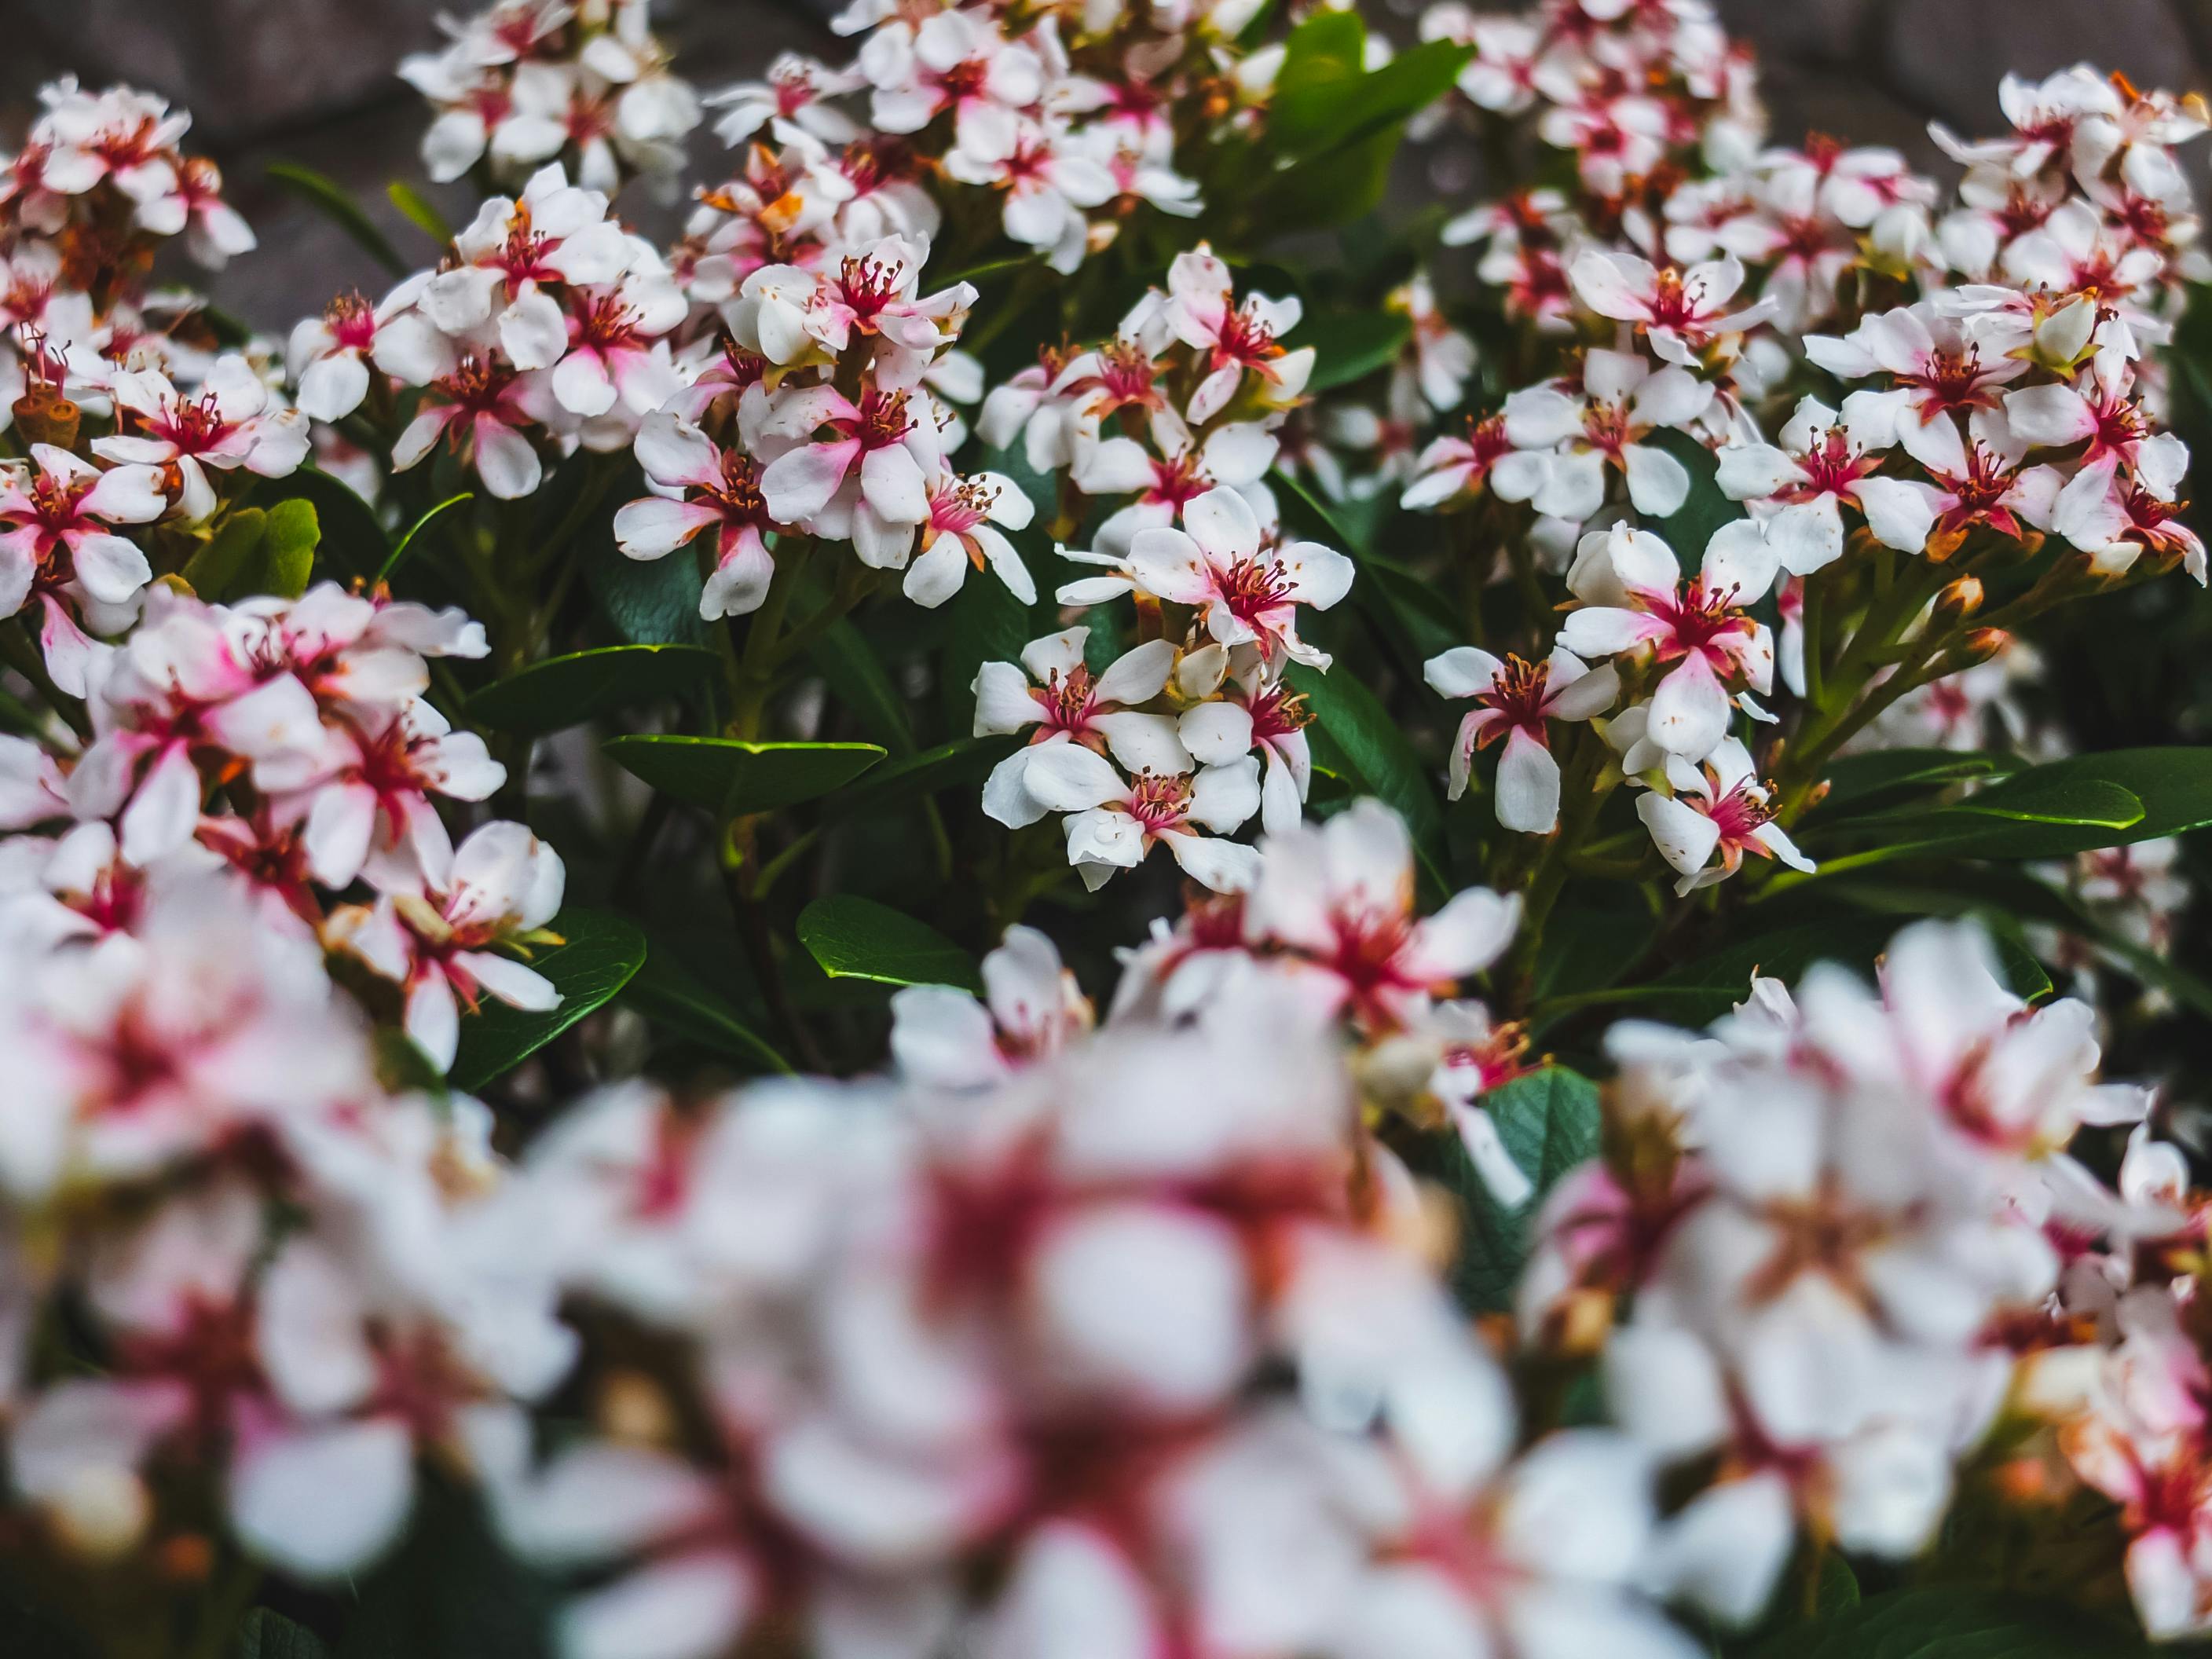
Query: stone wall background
x=311, y=80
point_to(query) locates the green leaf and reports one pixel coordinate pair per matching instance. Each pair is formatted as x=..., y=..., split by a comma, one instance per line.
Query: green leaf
x=731, y=778
x=856, y=677
x=1349, y=345
x=961, y=761
x=600, y=954
x=1704, y=510
x=285, y=562
x=1838, y=1591
x=1954, y=1621
x=414, y=532
x=1856, y=779
x=649, y=601
x=1550, y=1123
x=1323, y=108
x=216, y=570
x=1333, y=188
x=565, y=691
x=339, y=207
x=667, y=992
x=1378, y=759
x=353, y=539
x=2067, y=806
x=265, y=1635
x=419, y=212
x=855, y=938
x=258, y=552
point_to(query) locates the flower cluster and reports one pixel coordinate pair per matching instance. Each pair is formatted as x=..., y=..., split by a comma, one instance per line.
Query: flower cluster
x=1823, y=1218
x=1049, y=1322
x=579, y=83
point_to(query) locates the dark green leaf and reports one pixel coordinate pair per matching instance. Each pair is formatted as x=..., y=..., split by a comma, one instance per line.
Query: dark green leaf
x=1704, y=510
x=1955, y=1622
x=732, y=778
x=420, y=213
x=1854, y=779
x=600, y=952
x=649, y=601
x=667, y=992
x=1549, y=1122
x=854, y=937
x=1380, y=760
x=407, y=542
x=1838, y=1591
x=961, y=761
x=565, y=691
x=265, y=1635
x=2173, y=786
x=1333, y=188
x=339, y=207
x=856, y=677
x=353, y=539
x=1350, y=345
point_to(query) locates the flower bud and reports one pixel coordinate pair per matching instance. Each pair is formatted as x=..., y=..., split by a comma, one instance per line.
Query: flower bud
x=1961, y=598
x=1983, y=644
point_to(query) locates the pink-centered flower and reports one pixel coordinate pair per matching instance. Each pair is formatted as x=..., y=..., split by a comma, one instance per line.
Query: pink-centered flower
x=1826, y=462
x=961, y=533
x=1246, y=591
x=1680, y=311
x=1515, y=701
x=227, y=423
x=449, y=942
x=1054, y=690
x=1455, y=468
x=1717, y=807
x=58, y=537
x=700, y=487
x=866, y=479
x=1621, y=402
x=1339, y=899
x=1201, y=311
x=1636, y=601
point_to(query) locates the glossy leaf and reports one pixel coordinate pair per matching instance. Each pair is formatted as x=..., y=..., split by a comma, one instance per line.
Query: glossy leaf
x=1321, y=109
x=353, y=541
x=648, y=601
x=218, y=569
x=732, y=778
x=2173, y=786
x=1550, y=1122
x=409, y=542
x=338, y=205
x=855, y=938
x=565, y=691
x=1856, y=779
x=1379, y=760
x=670, y=995
x=600, y=954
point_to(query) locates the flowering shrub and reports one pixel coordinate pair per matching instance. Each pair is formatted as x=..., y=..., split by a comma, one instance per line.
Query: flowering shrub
x=600, y=1058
